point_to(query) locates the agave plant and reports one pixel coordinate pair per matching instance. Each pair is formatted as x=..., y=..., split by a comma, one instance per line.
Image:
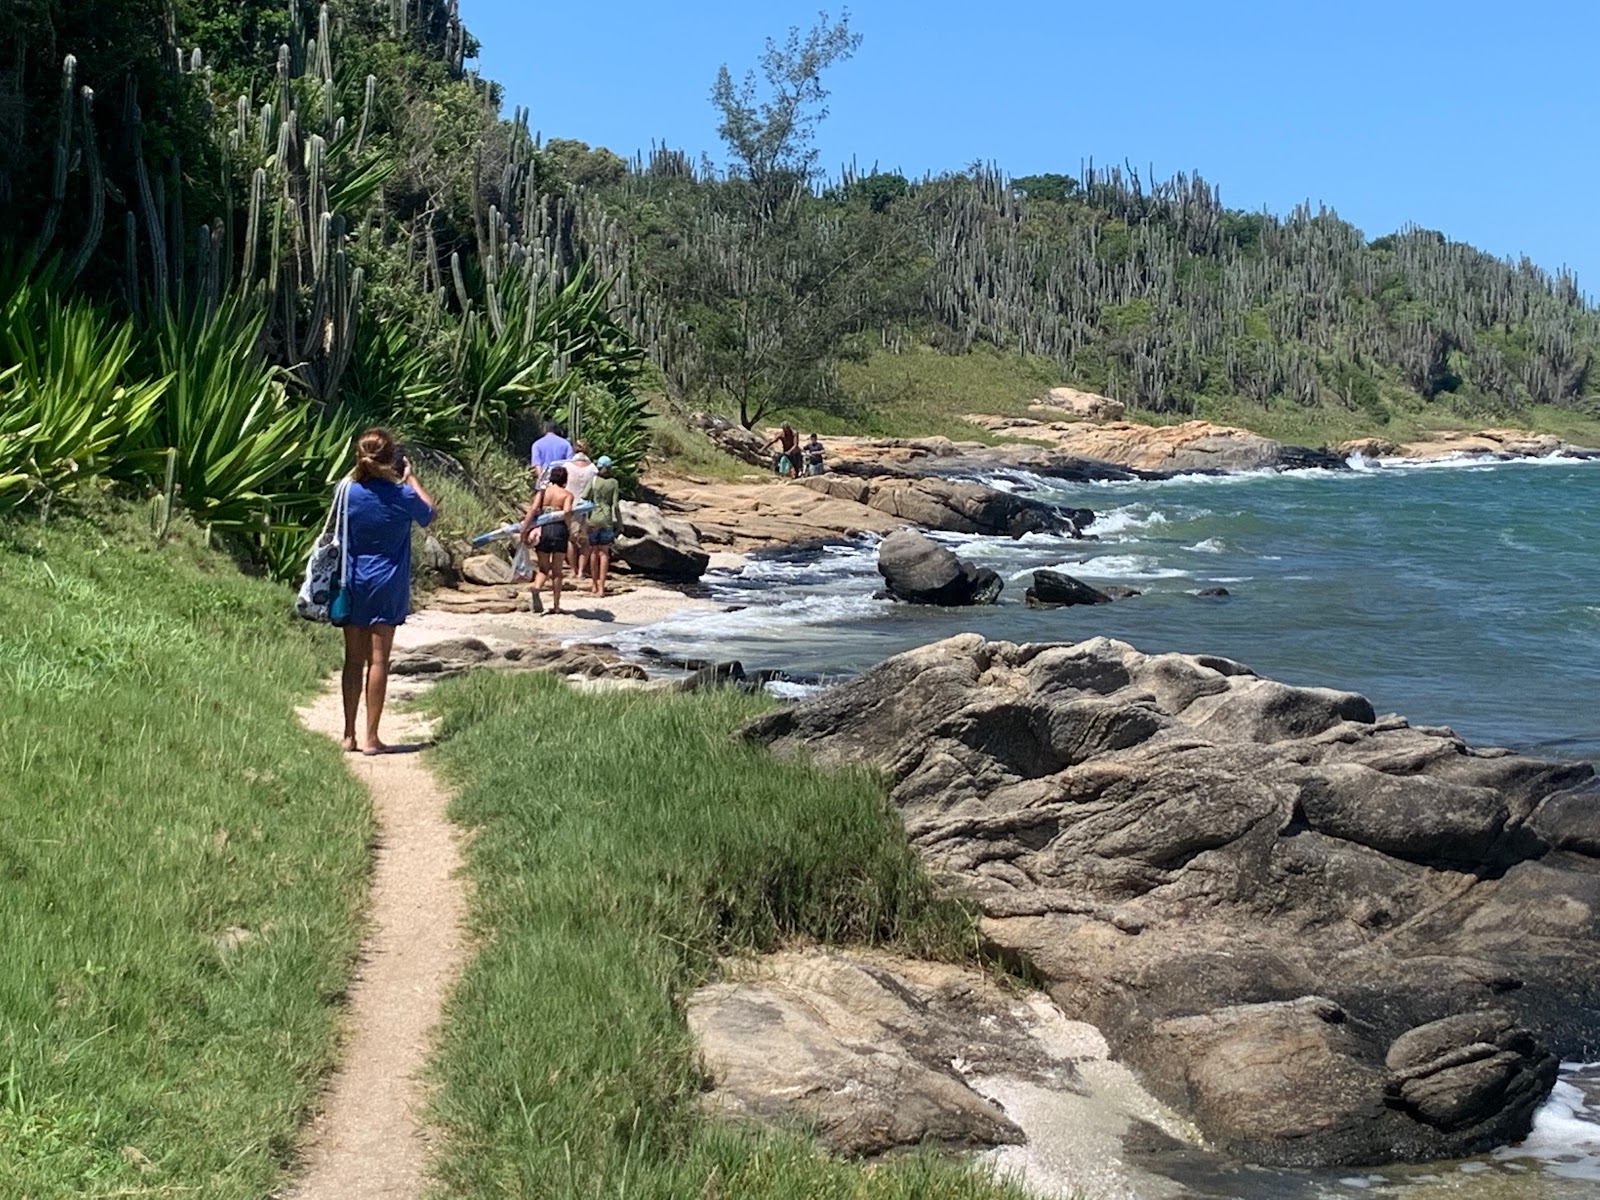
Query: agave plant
x=613, y=424
x=68, y=410
x=390, y=381
x=226, y=414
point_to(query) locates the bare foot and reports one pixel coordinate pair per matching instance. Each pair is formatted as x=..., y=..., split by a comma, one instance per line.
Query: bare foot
x=348, y=744
x=374, y=748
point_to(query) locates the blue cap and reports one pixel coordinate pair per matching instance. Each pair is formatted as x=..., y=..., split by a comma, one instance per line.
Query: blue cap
x=603, y=461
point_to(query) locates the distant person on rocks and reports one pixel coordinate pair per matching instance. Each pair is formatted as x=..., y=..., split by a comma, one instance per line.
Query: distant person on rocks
x=813, y=456
x=604, y=520
x=385, y=498
x=787, y=461
x=553, y=537
x=549, y=450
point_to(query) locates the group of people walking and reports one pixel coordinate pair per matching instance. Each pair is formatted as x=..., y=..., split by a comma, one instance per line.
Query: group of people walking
x=561, y=538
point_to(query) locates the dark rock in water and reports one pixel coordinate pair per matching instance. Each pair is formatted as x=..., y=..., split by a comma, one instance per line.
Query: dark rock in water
x=660, y=546
x=1331, y=938
x=714, y=675
x=1055, y=589
x=1118, y=592
x=920, y=571
x=1213, y=593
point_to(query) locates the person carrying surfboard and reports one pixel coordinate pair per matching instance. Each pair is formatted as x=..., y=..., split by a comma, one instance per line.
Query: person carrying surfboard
x=549, y=541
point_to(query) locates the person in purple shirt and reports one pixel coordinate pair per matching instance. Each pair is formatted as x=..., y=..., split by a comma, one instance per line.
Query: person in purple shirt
x=549, y=450
x=384, y=499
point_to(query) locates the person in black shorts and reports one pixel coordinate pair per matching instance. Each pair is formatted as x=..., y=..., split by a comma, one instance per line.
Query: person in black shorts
x=553, y=536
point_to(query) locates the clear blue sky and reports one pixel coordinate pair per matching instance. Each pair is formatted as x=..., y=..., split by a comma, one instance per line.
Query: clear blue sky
x=1475, y=118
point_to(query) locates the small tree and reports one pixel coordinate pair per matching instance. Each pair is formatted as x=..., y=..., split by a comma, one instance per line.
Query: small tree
x=776, y=282
x=769, y=139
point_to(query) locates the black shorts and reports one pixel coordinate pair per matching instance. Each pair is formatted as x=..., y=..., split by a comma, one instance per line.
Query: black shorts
x=552, y=538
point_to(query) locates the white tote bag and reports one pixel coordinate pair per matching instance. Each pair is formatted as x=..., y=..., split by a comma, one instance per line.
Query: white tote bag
x=327, y=567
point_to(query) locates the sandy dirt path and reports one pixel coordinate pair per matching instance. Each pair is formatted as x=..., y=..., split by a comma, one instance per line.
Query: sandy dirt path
x=369, y=1140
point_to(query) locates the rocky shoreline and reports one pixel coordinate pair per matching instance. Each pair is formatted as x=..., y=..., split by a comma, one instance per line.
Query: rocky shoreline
x=1325, y=936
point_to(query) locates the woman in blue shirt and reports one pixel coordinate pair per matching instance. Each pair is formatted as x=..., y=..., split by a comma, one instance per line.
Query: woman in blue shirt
x=385, y=498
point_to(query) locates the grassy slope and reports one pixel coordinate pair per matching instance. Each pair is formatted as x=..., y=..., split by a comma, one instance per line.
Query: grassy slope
x=622, y=842
x=922, y=392
x=155, y=792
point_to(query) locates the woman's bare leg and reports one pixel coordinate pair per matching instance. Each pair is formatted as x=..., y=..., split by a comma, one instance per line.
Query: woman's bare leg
x=554, y=566
x=599, y=568
x=382, y=642
x=357, y=648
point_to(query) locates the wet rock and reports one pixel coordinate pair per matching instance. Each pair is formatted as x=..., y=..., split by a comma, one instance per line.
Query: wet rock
x=1213, y=593
x=1480, y=1072
x=486, y=569
x=920, y=571
x=1260, y=893
x=1119, y=592
x=1057, y=589
x=660, y=546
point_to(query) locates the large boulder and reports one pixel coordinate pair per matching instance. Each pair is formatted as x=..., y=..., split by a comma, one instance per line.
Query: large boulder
x=486, y=570
x=1057, y=589
x=918, y=570
x=659, y=546
x=1330, y=937
x=955, y=506
x=1083, y=406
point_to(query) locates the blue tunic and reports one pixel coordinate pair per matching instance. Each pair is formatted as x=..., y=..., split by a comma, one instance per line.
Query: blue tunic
x=381, y=513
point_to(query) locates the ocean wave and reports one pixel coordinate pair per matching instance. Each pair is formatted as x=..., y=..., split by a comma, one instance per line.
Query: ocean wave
x=1209, y=546
x=1130, y=517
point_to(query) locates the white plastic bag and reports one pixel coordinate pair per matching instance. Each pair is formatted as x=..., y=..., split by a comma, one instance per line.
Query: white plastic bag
x=522, y=565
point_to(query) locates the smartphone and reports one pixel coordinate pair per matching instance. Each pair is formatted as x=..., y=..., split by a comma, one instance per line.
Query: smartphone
x=401, y=467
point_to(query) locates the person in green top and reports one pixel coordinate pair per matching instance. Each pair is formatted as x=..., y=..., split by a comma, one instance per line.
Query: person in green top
x=604, y=520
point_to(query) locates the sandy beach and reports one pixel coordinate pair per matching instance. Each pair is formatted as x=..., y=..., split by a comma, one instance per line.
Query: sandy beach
x=583, y=618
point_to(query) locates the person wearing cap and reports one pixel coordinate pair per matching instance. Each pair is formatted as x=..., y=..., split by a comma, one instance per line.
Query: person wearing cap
x=604, y=520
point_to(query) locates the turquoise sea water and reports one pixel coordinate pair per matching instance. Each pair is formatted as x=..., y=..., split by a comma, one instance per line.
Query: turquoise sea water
x=1460, y=594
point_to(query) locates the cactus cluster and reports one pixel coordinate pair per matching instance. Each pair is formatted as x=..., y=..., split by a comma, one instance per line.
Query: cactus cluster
x=1153, y=292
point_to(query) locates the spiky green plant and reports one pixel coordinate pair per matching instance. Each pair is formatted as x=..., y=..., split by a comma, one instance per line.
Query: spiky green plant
x=226, y=413
x=70, y=409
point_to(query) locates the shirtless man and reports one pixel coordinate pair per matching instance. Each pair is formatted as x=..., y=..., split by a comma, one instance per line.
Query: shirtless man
x=554, y=536
x=788, y=451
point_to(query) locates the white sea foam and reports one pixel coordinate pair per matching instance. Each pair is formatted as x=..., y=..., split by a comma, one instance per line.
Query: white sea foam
x=1209, y=546
x=1119, y=566
x=1565, y=1139
x=710, y=626
x=1128, y=518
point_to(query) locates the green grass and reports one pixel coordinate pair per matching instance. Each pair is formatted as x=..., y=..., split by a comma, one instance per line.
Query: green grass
x=621, y=843
x=156, y=792
x=922, y=393
x=690, y=452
